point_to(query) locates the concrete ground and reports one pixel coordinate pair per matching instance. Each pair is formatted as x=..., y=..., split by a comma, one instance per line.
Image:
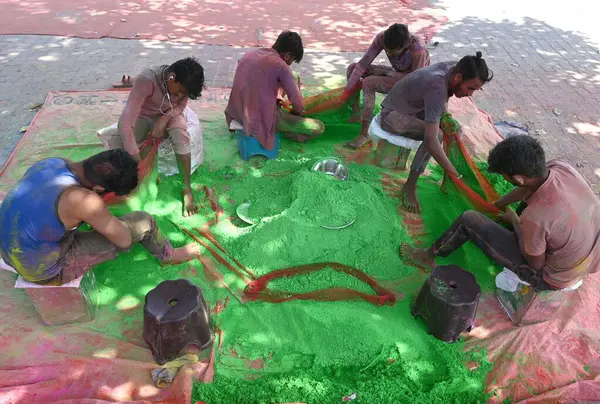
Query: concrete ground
x=546, y=64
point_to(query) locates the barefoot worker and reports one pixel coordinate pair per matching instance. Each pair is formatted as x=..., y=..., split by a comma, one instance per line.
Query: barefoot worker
x=261, y=75
x=415, y=105
x=155, y=107
x=556, y=240
x=406, y=54
x=40, y=217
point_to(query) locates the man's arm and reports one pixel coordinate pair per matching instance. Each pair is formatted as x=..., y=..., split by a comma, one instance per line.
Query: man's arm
x=364, y=63
x=525, y=241
x=434, y=146
x=435, y=100
x=179, y=107
x=290, y=86
x=142, y=89
x=516, y=195
x=87, y=206
x=419, y=59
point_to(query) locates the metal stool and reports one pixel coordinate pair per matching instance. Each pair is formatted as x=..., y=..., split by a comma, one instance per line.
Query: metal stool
x=448, y=302
x=527, y=306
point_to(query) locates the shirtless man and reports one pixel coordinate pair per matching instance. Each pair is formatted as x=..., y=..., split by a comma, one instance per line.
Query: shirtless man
x=260, y=77
x=40, y=217
x=406, y=54
x=555, y=241
x=155, y=107
x=414, y=108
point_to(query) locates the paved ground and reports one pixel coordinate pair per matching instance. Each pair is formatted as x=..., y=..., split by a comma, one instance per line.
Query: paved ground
x=546, y=76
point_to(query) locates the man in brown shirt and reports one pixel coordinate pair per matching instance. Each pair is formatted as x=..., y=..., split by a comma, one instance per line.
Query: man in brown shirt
x=414, y=107
x=555, y=241
x=261, y=76
x=155, y=108
x=406, y=53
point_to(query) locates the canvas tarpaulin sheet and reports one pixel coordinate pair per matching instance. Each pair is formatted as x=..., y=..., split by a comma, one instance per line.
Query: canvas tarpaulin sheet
x=107, y=360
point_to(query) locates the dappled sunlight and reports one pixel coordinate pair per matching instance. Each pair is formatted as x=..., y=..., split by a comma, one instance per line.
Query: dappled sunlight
x=107, y=295
x=107, y=353
x=128, y=302
x=350, y=26
x=121, y=392
x=148, y=391
x=546, y=74
x=587, y=128
x=480, y=332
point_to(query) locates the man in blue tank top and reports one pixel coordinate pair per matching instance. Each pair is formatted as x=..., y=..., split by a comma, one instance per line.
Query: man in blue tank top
x=39, y=219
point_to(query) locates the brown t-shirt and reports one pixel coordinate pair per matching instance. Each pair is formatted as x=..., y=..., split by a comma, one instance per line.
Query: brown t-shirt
x=422, y=93
x=259, y=75
x=562, y=220
x=148, y=99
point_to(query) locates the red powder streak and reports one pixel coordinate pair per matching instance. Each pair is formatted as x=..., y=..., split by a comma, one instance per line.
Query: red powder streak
x=214, y=204
x=258, y=290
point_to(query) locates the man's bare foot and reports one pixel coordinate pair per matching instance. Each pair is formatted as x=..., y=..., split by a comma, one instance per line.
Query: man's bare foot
x=410, y=200
x=421, y=257
x=358, y=142
x=189, y=204
x=184, y=254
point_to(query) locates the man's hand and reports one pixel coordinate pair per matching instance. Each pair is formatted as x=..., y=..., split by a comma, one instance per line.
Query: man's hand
x=137, y=157
x=508, y=217
x=190, y=207
x=158, y=130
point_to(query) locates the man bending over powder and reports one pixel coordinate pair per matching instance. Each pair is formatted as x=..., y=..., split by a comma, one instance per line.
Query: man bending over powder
x=556, y=240
x=261, y=76
x=155, y=108
x=41, y=215
x=406, y=54
x=414, y=108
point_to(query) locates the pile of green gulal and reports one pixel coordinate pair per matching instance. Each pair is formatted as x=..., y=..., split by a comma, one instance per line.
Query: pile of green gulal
x=307, y=351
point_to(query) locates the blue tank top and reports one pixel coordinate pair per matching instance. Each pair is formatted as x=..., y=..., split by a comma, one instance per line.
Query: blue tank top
x=30, y=230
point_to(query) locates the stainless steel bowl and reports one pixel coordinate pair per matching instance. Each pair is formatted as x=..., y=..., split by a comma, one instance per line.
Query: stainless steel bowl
x=242, y=212
x=333, y=167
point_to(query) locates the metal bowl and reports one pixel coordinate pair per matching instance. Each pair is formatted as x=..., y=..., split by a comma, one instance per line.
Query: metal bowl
x=242, y=212
x=333, y=167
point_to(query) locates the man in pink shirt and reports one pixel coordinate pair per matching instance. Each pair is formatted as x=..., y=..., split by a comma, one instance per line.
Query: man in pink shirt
x=406, y=54
x=260, y=77
x=155, y=108
x=554, y=242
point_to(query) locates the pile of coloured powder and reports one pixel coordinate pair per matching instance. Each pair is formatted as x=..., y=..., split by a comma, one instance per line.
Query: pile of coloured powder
x=326, y=278
x=294, y=235
x=269, y=197
x=305, y=350
x=380, y=362
x=325, y=200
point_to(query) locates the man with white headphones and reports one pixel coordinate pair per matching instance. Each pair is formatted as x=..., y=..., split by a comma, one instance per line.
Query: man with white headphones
x=155, y=108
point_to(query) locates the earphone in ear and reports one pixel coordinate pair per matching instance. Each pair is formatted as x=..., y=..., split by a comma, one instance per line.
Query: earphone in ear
x=171, y=77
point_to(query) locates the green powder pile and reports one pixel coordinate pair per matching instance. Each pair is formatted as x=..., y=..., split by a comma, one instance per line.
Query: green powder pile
x=307, y=351
x=393, y=377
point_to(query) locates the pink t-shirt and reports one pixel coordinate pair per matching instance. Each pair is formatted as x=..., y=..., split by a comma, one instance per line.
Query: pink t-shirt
x=147, y=99
x=562, y=220
x=413, y=58
x=253, y=100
